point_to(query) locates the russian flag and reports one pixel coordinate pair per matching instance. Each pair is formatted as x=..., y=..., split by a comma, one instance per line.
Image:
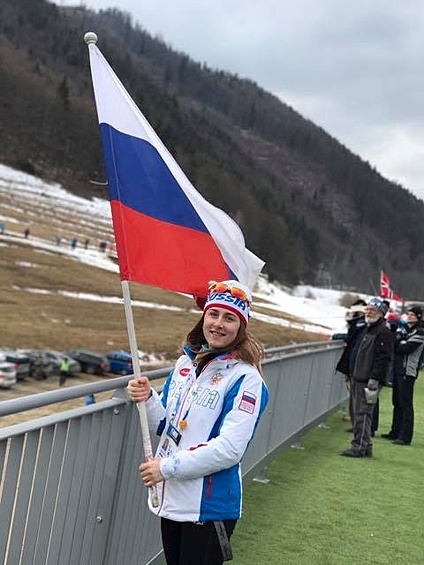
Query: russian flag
x=167, y=235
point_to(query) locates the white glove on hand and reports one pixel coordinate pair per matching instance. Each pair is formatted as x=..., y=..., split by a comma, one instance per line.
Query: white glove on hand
x=371, y=391
x=372, y=384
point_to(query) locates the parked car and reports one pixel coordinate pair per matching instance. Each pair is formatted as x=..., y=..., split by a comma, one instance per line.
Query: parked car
x=91, y=362
x=7, y=374
x=41, y=365
x=21, y=362
x=120, y=362
x=56, y=358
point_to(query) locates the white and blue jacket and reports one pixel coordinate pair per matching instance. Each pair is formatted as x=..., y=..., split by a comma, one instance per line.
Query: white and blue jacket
x=205, y=425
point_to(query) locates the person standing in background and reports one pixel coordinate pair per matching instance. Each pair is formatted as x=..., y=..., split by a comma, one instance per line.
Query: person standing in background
x=356, y=328
x=64, y=371
x=370, y=373
x=409, y=349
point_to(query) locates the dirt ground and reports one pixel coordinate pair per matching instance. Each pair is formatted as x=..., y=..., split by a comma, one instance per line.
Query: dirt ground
x=41, y=294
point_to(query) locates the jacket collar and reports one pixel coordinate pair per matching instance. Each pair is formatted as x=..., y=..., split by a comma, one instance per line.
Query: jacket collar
x=227, y=357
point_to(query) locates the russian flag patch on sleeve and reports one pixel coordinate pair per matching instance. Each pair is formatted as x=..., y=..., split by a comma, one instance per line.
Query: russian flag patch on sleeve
x=247, y=402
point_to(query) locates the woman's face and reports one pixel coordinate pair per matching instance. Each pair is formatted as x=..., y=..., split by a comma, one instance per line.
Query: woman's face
x=220, y=327
x=412, y=319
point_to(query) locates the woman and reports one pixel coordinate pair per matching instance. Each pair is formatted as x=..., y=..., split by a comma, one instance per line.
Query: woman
x=207, y=414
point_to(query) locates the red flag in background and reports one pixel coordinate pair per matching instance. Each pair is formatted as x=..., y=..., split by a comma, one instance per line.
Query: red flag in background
x=386, y=291
x=396, y=297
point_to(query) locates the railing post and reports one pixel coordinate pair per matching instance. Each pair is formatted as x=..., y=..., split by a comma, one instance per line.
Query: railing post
x=262, y=478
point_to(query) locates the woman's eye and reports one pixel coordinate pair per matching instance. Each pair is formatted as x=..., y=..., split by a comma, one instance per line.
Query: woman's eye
x=230, y=319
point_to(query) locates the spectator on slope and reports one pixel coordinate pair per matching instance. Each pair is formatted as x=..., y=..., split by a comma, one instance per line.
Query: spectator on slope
x=370, y=372
x=205, y=417
x=409, y=346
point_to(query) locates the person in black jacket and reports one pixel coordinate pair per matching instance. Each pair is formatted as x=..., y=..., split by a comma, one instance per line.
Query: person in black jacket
x=356, y=327
x=409, y=348
x=372, y=365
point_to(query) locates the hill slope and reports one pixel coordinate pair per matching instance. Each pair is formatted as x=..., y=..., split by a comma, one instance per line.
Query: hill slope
x=57, y=295
x=309, y=207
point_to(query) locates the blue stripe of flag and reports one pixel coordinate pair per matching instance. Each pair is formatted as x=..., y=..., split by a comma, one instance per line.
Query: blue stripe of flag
x=139, y=179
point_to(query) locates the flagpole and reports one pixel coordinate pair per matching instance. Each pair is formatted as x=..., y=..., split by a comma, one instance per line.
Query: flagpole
x=373, y=286
x=144, y=424
x=91, y=38
x=194, y=227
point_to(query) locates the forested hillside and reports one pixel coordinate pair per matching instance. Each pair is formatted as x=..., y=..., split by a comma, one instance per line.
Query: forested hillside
x=310, y=208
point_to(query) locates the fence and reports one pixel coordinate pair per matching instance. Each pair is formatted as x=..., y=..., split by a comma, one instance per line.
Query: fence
x=70, y=491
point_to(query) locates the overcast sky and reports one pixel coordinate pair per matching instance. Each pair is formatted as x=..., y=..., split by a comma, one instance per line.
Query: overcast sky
x=354, y=68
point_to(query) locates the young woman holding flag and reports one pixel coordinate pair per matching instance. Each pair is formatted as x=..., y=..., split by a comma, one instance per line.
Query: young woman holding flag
x=206, y=416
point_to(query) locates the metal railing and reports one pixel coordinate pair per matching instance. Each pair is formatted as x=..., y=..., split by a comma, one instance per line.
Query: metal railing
x=70, y=491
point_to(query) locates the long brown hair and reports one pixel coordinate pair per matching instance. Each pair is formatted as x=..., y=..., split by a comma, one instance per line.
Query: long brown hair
x=244, y=347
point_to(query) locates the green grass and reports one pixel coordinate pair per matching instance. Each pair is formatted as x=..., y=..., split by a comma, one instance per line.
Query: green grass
x=323, y=509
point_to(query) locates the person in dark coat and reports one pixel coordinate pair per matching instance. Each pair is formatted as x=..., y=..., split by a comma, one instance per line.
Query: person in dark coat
x=399, y=328
x=409, y=347
x=370, y=373
x=356, y=328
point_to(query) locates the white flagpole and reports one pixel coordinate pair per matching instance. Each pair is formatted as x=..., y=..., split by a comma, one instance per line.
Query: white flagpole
x=147, y=443
x=90, y=38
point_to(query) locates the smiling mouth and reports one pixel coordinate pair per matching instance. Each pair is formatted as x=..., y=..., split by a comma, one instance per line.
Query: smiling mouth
x=217, y=334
